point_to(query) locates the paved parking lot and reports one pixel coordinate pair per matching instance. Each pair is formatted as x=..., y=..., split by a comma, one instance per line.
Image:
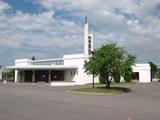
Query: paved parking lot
x=41, y=102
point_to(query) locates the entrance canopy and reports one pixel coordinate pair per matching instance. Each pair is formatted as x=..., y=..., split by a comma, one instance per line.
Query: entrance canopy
x=43, y=67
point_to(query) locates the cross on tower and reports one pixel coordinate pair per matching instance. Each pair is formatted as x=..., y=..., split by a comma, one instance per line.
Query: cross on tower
x=86, y=20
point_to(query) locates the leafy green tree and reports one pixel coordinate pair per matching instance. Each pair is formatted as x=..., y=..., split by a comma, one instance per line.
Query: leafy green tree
x=8, y=75
x=117, y=77
x=109, y=63
x=158, y=74
x=154, y=69
x=127, y=70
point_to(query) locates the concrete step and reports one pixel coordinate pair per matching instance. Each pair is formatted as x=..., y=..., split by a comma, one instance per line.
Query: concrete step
x=62, y=83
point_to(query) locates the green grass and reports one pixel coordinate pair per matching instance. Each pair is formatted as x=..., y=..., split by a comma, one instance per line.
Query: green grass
x=122, y=83
x=113, y=90
x=114, y=84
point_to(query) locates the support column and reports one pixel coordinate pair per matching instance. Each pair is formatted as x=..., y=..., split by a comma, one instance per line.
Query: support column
x=16, y=76
x=33, y=76
x=49, y=76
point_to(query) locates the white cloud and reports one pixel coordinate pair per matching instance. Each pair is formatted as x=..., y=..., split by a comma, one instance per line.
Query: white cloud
x=41, y=30
x=4, y=6
x=130, y=23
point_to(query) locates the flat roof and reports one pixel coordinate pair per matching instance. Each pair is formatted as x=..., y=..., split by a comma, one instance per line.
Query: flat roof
x=43, y=67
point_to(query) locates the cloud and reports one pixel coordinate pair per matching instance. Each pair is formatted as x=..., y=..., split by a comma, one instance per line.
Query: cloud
x=4, y=6
x=133, y=24
x=38, y=34
x=37, y=30
x=130, y=23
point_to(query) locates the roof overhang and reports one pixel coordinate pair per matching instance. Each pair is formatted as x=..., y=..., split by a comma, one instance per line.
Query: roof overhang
x=44, y=67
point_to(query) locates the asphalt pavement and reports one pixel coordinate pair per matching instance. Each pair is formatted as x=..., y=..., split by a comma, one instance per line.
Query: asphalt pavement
x=41, y=102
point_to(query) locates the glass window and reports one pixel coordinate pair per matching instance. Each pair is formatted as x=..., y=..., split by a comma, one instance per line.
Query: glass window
x=54, y=62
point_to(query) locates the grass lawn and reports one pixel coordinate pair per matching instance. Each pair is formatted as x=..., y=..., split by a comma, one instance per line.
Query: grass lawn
x=113, y=84
x=112, y=90
x=115, y=88
x=122, y=83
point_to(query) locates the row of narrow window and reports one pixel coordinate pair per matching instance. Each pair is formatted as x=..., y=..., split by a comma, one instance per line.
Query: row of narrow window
x=73, y=73
x=57, y=62
x=89, y=45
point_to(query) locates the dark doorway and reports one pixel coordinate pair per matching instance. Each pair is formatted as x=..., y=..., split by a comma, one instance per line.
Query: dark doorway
x=28, y=76
x=41, y=76
x=57, y=75
x=135, y=76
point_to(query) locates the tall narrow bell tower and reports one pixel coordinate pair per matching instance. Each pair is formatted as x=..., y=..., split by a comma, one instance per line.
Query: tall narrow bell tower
x=88, y=39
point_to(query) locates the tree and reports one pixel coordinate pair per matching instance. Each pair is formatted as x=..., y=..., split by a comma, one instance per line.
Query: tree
x=109, y=62
x=8, y=75
x=127, y=70
x=158, y=74
x=154, y=70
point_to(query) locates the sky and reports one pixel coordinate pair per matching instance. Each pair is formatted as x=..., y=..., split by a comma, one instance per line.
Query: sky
x=51, y=28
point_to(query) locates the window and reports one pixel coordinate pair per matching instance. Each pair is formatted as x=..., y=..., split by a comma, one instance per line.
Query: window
x=53, y=62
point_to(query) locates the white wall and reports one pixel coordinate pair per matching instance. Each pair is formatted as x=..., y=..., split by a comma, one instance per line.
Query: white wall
x=83, y=78
x=69, y=75
x=80, y=77
x=22, y=62
x=144, y=71
x=78, y=60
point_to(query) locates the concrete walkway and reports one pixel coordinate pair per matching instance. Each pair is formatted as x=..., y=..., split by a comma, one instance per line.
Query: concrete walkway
x=41, y=102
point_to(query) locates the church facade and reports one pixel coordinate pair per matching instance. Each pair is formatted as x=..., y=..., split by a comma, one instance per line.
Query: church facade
x=68, y=70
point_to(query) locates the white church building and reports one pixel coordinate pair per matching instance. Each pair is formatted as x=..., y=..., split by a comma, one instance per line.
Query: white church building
x=69, y=69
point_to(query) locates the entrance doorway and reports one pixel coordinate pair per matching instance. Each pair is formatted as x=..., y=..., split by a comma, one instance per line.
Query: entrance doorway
x=41, y=76
x=135, y=76
x=28, y=76
x=57, y=75
x=44, y=75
